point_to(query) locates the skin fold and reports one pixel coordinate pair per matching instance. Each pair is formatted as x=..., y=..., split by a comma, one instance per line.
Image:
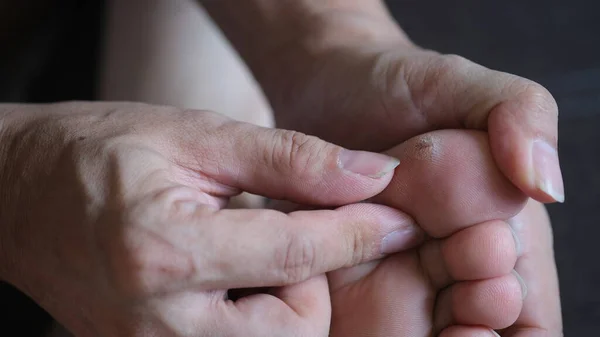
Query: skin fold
x=395, y=91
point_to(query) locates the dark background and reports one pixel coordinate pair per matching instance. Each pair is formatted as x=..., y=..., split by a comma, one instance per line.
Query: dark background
x=555, y=43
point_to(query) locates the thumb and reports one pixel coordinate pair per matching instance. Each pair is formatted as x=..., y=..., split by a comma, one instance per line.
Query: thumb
x=523, y=139
x=288, y=165
x=520, y=115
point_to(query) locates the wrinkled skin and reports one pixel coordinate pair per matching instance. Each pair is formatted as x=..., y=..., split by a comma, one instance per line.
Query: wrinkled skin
x=113, y=220
x=462, y=276
x=361, y=83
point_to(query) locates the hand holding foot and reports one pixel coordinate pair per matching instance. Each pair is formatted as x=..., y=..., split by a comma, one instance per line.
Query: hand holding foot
x=462, y=280
x=119, y=208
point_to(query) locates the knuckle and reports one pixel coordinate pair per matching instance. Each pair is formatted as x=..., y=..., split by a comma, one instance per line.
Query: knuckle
x=140, y=261
x=171, y=206
x=145, y=265
x=537, y=97
x=189, y=119
x=359, y=250
x=397, y=79
x=295, y=152
x=446, y=72
x=121, y=261
x=444, y=69
x=296, y=259
x=454, y=62
x=433, y=75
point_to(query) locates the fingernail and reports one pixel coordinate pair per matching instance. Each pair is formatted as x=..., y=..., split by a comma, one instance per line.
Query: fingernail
x=398, y=241
x=518, y=246
x=495, y=333
x=548, y=176
x=370, y=164
x=522, y=283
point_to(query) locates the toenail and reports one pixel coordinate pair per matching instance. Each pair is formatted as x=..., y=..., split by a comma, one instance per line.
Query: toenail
x=518, y=246
x=521, y=283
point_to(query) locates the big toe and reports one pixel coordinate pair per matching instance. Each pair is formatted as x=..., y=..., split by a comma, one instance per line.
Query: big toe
x=448, y=180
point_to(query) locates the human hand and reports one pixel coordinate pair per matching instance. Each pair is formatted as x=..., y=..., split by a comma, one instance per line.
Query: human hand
x=112, y=220
x=460, y=282
x=357, y=81
x=362, y=84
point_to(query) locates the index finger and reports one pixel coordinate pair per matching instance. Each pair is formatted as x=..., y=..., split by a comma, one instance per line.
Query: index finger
x=263, y=248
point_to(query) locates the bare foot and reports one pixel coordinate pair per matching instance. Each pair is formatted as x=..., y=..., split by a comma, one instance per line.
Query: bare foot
x=461, y=282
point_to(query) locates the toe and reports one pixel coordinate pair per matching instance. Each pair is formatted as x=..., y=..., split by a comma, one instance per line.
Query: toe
x=483, y=251
x=495, y=303
x=541, y=314
x=453, y=173
x=468, y=331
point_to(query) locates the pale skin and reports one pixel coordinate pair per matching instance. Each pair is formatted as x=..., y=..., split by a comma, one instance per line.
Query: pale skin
x=463, y=279
x=118, y=207
x=153, y=248
x=535, y=317
x=459, y=281
x=396, y=90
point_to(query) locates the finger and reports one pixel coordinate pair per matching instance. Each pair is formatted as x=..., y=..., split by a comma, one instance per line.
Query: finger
x=524, y=140
x=541, y=314
x=309, y=299
x=257, y=248
x=495, y=303
x=279, y=164
x=468, y=331
x=453, y=173
x=302, y=309
x=343, y=277
x=520, y=115
x=483, y=251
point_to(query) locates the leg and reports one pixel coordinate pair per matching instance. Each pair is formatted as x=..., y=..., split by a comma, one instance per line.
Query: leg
x=175, y=55
x=447, y=181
